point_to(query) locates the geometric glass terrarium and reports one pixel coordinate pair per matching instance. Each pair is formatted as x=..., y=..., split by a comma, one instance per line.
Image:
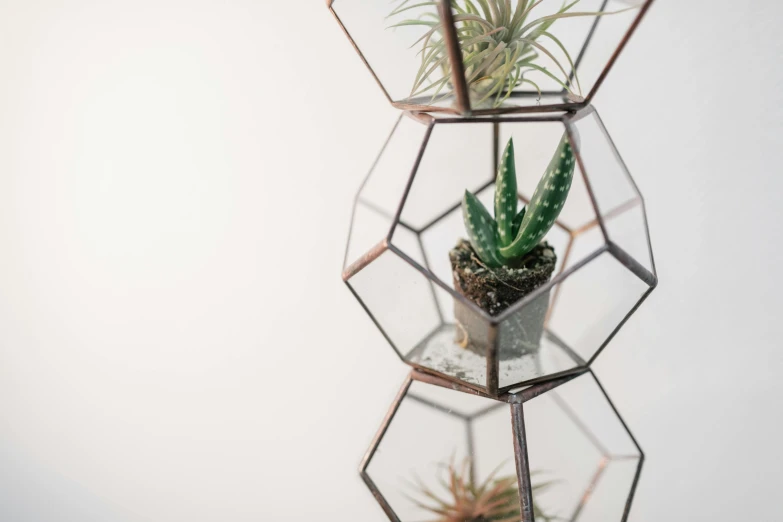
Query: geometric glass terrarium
x=408, y=217
x=555, y=451
x=464, y=56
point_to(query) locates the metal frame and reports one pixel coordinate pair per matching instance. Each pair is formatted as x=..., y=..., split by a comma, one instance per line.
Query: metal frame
x=462, y=104
x=514, y=396
x=515, y=402
x=492, y=386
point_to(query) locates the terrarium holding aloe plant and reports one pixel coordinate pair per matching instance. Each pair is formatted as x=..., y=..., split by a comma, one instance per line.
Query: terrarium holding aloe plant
x=501, y=43
x=504, y=258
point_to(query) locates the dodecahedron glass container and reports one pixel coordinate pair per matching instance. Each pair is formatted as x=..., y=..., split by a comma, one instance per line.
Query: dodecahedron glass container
x=462, y=56
x=553, y=451
x=408, y=216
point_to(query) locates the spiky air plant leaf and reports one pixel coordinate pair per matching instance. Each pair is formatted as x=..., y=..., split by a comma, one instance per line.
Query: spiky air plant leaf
x=547, y=202
x=506, y=196
x=496, y=499
x=501, y=43
x=511, y=234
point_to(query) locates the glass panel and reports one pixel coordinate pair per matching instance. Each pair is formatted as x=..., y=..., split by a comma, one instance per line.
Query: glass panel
x=526, y=350
x=391, y=44
x=419, y=439
x=576, y=441
x=400, y=300
x=404, y=47
x=425, y=437
x=584, y=399
x=368, y=227
x=612, y=489
x=458, y=157
x=583, y=245
x=592, y=303
x=494, y=442
x=458, y=403
x=608, y=177
x=586, y=42
x=459, y=347
x=385, y=186
x=380, y=195
x=609, y=33
x=560, y=453
x=628, y=229
x=407, y=241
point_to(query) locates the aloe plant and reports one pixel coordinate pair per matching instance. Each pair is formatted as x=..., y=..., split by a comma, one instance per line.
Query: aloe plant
x=501, y=44
x=510, y=235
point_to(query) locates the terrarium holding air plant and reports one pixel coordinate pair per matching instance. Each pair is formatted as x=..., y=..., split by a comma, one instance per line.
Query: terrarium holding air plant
x=495, y=499
x=504, y=258
x=504, y=44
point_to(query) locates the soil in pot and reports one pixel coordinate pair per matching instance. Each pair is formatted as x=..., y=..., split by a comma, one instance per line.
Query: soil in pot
x=495, y=290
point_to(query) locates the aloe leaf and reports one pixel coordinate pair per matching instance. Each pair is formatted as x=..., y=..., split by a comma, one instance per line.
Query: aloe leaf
x=518, y=221
x=506, y=195
x=482, y=230
x=547, y=202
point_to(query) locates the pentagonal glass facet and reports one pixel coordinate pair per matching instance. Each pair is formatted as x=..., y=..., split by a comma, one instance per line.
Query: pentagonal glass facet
x=409, y=217
x=439, y=446
x=386, y=50
x=516, y=56
x=575, y=436
x=431, y=430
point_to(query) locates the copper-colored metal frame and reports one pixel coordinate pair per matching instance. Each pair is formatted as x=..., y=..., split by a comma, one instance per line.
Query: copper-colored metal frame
x=492, y=387
x=515, y=402
x=462, y=105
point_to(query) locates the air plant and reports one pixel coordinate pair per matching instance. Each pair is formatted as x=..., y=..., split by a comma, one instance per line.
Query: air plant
x=500, y=43
x=496, y=499
x=510, y=235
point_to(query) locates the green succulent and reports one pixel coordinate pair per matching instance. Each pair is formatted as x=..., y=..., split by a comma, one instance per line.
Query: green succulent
x=501, y=44
x=510, y=235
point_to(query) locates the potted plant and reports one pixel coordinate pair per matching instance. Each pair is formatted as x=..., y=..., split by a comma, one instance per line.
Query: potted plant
x=493, y=500
x=504, y=258
x=500, y=45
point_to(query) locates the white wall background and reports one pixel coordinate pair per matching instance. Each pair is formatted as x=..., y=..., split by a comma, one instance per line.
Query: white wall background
x=175, y=186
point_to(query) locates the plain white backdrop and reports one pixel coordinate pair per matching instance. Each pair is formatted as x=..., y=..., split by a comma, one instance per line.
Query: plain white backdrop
x=175, y=187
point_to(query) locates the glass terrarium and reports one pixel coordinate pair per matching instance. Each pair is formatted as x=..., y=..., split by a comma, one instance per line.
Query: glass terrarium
x=463, y=56
x=550, y=452
x=409, y=228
